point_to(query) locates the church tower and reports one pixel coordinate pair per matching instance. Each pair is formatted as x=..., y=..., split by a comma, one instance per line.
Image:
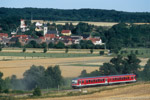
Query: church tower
x=45, y=29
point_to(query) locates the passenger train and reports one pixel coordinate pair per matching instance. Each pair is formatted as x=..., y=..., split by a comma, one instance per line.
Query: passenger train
x=103, y=80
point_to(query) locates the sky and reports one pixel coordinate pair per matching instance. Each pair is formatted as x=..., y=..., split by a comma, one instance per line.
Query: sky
x=119, y=5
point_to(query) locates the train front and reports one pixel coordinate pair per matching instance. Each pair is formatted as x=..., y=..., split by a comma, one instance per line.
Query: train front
x=74, y=83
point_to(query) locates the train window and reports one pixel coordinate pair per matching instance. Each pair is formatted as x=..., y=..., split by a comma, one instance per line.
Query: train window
x=86, y=81
x=79, y=82
x=122, y=78
x=83, y=81
x=115, y=78
x=98, y=80
x=89, y=81
x=103, y=79
x=131, y=77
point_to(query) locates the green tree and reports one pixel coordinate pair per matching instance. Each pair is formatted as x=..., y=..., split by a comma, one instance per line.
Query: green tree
x=34, y=77
x=0, y=49
x=60, y=45
x=132, y=64
x=50, y=45
x=146, y=71
x=101, y=52
x=66, y=50
x=44, y=50
x=24, y=50
x=1, y=82
x=37, y=92
x=91, y=51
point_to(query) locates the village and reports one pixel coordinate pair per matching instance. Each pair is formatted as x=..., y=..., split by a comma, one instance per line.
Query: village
x=49, y=36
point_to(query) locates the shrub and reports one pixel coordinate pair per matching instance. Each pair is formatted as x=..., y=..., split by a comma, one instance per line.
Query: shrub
x=37, y=92
x=101, y=52
x=44, y=50
x=91, y=51
x=24, y=50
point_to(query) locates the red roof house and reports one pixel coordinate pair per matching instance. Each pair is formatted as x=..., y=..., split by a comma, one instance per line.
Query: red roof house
x=3, y=35
x=66, y=32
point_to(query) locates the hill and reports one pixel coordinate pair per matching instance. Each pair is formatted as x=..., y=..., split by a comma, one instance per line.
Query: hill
x=96, y=15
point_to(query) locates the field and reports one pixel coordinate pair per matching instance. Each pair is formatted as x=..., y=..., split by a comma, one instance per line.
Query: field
x=107, y=24
x=13, y=61
x=134, y=91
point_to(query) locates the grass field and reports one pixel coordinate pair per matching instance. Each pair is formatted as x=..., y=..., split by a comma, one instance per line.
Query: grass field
x=142, y=52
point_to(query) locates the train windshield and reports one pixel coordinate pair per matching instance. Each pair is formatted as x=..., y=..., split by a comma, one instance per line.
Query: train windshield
x=74, y=81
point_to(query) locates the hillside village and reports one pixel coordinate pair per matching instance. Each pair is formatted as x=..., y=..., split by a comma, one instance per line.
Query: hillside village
x=49, y=36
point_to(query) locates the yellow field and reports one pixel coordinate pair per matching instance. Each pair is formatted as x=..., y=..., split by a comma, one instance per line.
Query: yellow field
x=18, y=67
x=109, y=24
x=70, y=67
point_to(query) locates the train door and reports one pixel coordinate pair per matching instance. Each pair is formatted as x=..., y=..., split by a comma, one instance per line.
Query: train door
x=79, y=82
x=106, y=81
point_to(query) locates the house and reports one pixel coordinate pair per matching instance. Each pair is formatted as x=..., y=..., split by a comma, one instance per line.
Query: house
x=3, y=35
x=96, y=41
x=22, y=39
x=76, y=39
x=67, y=42
x=50, y=36
x=66, y=32
x=5, y=41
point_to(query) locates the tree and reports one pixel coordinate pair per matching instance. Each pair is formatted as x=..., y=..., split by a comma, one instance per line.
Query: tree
x=50, y=45
x=66, y=51
x=101, y=52
x=44, y=50
x=24, y=50
x=146, y=71
x=108, y=69
x=91, y=51
x=1, y=82
x=60, y=45
x=0, y=49
x=34, y=76
x=132, y=64
x=37, y=92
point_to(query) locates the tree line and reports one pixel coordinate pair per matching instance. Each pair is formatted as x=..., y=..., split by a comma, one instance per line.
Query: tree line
x=119, y=65
x=36, y=76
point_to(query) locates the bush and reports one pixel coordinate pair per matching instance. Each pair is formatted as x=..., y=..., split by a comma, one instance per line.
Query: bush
x=91, y=51
x=0, y=48
x=44, y=50
x=101, y=52
x=24, y=50
x=37, y=92
x=66, y=51
x=136, y=52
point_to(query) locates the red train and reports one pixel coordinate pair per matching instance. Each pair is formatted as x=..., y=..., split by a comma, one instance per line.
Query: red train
x=103, y=80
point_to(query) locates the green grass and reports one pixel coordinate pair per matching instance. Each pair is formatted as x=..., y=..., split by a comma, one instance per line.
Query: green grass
x=49, y=55
x=142, y=52
x=89, y=65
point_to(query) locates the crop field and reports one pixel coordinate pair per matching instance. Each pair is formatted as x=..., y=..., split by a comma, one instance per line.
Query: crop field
x=109, y=24
x=14, y=62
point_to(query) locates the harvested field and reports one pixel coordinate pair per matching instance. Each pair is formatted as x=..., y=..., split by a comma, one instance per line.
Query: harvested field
x=71, y=67
x=18, y=67
x=132, y=92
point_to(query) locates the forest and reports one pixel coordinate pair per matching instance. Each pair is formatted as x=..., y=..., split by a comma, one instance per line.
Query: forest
x=97, y=15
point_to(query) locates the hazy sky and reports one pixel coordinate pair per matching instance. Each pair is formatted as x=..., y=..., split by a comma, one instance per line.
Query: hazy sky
x=120, y=5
